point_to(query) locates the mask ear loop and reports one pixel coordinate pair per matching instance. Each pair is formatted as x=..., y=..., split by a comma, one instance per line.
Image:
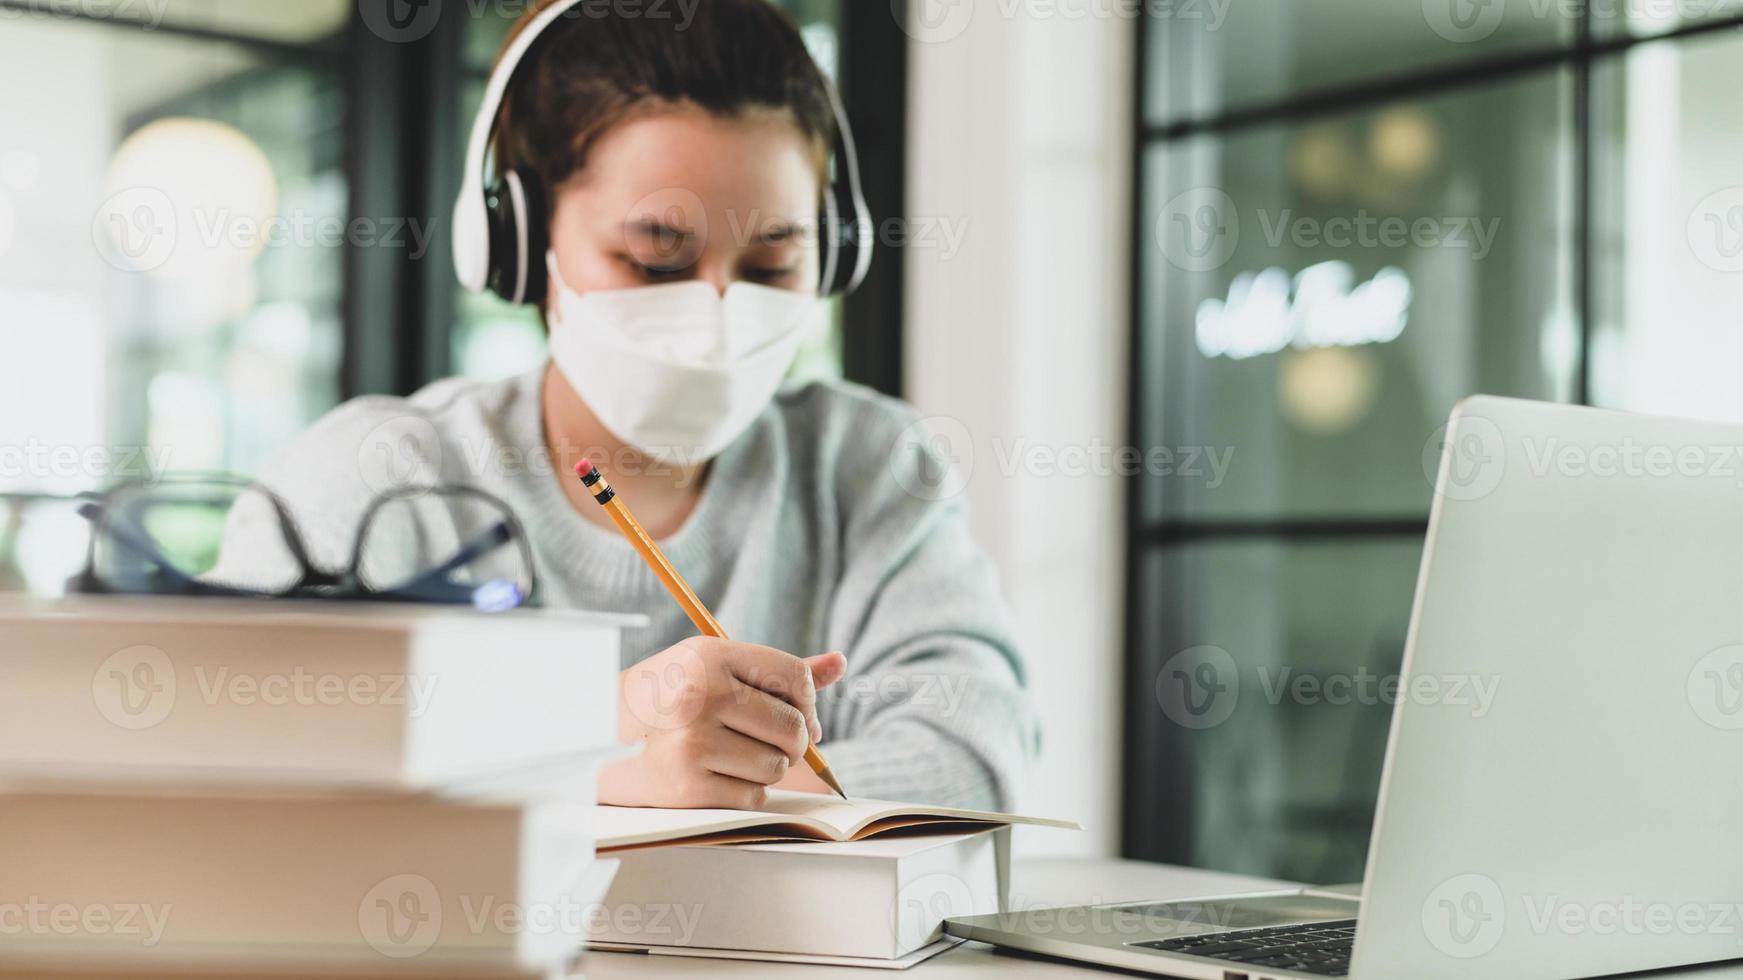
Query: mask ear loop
x=554, y=296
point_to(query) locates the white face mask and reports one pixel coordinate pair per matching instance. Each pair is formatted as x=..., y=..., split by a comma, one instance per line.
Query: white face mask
x=679, y=371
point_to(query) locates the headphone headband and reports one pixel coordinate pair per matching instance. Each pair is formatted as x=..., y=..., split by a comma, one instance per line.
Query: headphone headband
x=481, y=236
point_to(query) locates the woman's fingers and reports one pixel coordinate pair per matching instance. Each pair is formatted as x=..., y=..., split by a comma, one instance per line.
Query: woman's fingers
x=738, y=756
x=712, y=791
x=774, y=672
x=769, y=720
x=826, y=669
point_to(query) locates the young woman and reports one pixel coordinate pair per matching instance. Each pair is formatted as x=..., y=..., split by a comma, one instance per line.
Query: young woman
x=684, y=165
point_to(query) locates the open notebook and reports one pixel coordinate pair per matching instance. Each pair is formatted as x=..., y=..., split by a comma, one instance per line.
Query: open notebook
x=788, y=816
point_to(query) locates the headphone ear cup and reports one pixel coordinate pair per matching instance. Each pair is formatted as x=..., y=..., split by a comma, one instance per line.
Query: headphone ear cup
x=536, y=222
x=519, y=239
x=847, y=242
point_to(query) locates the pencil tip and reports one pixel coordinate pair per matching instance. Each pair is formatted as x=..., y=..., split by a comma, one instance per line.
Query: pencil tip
x=828, y=777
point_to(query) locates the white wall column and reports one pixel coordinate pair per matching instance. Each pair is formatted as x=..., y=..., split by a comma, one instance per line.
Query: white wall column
x=1017, y=339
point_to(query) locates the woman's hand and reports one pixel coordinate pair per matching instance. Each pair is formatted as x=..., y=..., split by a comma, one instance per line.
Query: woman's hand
x=722, y=721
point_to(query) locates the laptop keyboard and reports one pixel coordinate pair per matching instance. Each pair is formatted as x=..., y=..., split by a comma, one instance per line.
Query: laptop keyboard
x=1319, y=947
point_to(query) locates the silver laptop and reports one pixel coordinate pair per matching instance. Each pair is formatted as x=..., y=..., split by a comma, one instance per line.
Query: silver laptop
x=1589, y=564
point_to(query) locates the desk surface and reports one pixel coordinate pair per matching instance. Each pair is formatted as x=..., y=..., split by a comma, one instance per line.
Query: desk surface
x=1034, y=884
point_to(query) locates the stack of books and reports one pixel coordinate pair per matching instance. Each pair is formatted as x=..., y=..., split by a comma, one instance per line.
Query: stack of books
x=258, y=789
x=810, y=879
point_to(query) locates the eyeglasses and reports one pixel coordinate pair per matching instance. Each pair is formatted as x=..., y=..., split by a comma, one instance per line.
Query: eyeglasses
x=223, y=536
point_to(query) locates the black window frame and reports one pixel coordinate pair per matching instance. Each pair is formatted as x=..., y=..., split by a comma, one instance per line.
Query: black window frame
x=1156, y=817
x=398, y=312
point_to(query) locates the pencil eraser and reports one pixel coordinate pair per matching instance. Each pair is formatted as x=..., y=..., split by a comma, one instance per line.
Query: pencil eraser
x=584, y=469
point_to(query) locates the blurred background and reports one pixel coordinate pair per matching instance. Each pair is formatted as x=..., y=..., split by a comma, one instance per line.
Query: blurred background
x=1217, y=269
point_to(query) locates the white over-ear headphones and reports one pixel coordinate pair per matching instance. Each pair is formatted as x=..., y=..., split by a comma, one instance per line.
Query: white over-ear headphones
x=500, y=235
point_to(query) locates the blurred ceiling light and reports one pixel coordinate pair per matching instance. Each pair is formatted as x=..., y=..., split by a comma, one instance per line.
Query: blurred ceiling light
x=189, y=199
x=1329, y=390
x=1405, y=143
x=1321, y=161
x=1322, y=306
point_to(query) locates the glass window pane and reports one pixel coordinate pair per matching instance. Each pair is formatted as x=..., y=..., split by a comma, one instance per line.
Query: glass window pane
x=492, y=23
x=487, y=33
x=1644, y=18
x=1263, y=672
x=298, y=21
x=1669, y=223
x=1317, y=296
x=172, y=224
x=1206, y=58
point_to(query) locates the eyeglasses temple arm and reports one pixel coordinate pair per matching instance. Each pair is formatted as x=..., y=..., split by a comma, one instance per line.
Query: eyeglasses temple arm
x=480, y=546
x=142, y=548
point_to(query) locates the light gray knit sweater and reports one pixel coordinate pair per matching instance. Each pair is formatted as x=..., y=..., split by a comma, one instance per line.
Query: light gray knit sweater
x=804, y=540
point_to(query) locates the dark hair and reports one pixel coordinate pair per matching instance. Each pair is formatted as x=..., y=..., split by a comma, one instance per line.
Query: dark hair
x=593, y=68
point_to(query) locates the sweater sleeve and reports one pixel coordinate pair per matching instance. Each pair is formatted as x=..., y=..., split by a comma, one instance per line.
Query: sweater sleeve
x=934, y=707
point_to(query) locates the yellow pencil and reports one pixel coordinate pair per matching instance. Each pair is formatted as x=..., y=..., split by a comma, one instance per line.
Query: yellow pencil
x=676, y=585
